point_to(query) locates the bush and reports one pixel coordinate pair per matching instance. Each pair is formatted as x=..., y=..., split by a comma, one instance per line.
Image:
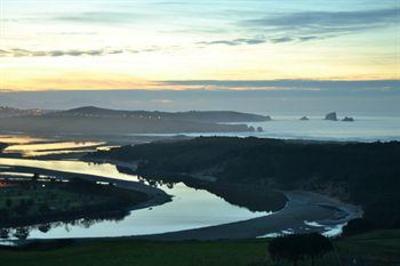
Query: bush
x=298, y=247
x=357, y=226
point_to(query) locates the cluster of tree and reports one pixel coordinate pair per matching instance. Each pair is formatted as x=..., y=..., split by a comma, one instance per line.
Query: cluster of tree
x=26, y=205
x=2, y=147
x=368, y=172
x=86, y=221
x=298, y=247
x=357, y=226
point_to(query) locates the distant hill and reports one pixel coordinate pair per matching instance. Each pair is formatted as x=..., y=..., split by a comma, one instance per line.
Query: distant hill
x=197, y=116
x=6, y=111
x=92, y=120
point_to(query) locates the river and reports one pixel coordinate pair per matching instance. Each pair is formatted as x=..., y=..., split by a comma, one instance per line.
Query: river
x=190, y=208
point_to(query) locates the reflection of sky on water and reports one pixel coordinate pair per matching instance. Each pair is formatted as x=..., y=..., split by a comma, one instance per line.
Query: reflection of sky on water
x=40, y=149
x=16, y=139
x=189, y=208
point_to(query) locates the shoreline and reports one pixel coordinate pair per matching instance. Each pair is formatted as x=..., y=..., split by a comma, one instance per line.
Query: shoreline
x=301, y=207
x=156, y=195
x=302, y=214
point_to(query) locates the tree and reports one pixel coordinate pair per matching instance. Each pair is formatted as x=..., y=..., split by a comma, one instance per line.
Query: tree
x=316, y=246
x=35, y=177
x=357, y=226
x=9, y=203
x=44, y=228
x=22, y=233
x=286, y=248
x=299, y=247
x=4, y=233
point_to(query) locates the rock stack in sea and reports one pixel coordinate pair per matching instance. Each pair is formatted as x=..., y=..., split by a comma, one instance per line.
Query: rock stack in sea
x=348, y=119
x=331, y=116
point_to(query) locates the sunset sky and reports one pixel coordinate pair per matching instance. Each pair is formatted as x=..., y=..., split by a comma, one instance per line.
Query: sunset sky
x=142, y=44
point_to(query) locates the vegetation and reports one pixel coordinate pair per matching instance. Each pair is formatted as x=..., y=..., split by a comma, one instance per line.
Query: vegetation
x=2, y=146
x=32, y=201
x=363, y=173
x=199, y=116
x=299, y=247
x=377, y=248
x=90, y=120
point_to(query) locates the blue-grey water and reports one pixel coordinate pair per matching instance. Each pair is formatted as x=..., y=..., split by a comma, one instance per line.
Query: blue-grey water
x=363, y=129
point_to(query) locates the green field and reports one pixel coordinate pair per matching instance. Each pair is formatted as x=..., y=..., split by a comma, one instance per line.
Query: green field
x=380, y=248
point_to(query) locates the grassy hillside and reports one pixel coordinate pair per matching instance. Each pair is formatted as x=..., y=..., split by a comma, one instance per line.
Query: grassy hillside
x=380, y=248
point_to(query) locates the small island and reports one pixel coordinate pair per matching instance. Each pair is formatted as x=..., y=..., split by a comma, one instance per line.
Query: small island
x=304, y=118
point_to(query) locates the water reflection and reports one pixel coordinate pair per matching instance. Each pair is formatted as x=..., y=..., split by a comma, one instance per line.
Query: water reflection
x=23, y=232
x=19, y=139
x=189, y=209
x=47, y=148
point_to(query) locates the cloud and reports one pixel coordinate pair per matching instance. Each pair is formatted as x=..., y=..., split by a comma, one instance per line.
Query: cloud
x=235, y=42
x=17, y=52
x=282, y=39
x=292, y=84
x=305, y=26
x=260, y=40
x=99, y=17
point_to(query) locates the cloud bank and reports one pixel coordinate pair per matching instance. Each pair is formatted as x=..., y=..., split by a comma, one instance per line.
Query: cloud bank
x=17, y=52
x=321, y=24
x=293, y=84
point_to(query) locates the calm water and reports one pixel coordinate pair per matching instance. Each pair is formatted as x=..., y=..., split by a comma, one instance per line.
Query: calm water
x=364, y=129
x=40, y=149
x=189, y=208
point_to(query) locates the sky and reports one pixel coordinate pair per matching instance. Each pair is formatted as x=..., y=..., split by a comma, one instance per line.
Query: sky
x=52, y=45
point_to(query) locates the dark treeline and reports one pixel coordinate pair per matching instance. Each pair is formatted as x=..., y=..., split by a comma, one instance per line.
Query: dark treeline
x=252, y=197
x=363, y=173
x=296, y=248
x=2, y=146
